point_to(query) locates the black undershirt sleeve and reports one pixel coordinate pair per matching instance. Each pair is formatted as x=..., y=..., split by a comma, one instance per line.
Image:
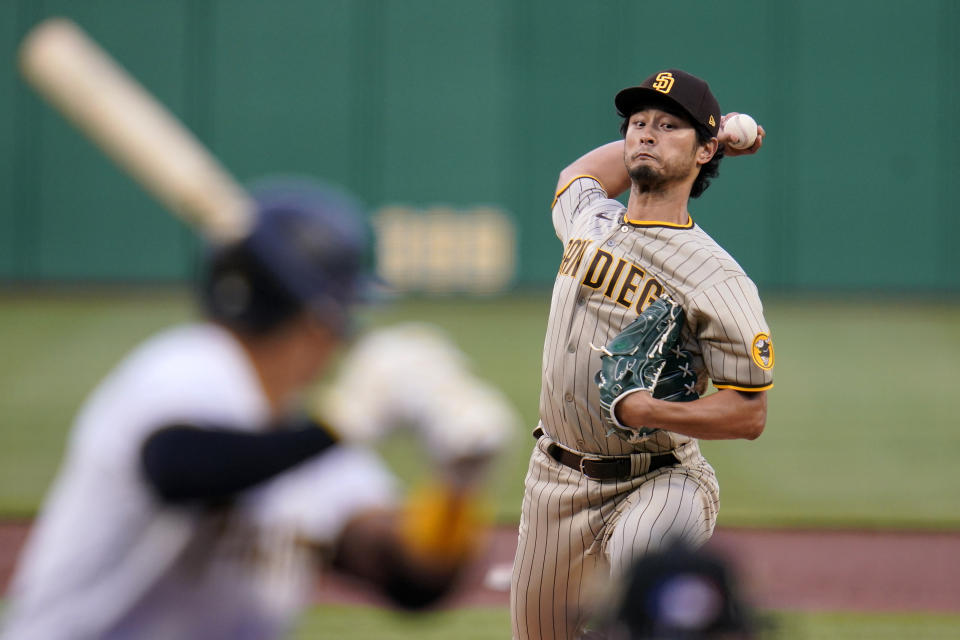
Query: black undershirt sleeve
x=187, y=463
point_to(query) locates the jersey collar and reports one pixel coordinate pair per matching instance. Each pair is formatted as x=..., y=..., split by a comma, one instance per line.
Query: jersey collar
x=657, y=223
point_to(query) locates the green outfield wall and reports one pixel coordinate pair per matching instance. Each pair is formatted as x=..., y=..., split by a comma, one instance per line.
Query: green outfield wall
x=470, y=106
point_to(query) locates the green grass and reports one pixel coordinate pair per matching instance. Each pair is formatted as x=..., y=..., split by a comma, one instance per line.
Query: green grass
x=365, y=623
x=334, y=622
x=360, y=623
x=862, y=427
x=865, y=626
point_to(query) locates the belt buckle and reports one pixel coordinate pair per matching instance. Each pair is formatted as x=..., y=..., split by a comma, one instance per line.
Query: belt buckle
x=588, y=459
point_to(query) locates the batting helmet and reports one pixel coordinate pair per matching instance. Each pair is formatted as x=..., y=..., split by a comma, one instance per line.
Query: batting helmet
x=309, y=250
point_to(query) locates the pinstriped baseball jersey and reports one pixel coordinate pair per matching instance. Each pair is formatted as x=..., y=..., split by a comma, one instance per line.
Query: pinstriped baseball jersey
x=612, y=268
x=576, y=531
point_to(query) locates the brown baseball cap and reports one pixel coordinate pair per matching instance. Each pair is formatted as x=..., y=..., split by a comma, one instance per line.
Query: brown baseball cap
x=687, y=91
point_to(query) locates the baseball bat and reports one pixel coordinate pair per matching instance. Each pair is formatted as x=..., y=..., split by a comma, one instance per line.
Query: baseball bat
x=134, y=129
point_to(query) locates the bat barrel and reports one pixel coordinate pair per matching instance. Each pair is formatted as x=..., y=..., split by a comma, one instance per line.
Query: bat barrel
x=134, y=129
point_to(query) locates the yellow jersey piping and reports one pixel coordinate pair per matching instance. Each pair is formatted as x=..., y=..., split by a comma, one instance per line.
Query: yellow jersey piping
x=658, y=223
x=572, y=180
x=741, y=388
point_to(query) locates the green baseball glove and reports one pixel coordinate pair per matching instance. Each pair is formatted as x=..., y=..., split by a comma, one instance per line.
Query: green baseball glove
x=645, y=357
x=678, y=381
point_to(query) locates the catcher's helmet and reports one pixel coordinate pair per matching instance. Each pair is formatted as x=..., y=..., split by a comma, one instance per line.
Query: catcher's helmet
x=309, y=250
x=680, y=594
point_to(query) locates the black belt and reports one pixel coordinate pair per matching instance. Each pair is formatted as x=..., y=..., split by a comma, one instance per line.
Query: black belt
x=603, y=468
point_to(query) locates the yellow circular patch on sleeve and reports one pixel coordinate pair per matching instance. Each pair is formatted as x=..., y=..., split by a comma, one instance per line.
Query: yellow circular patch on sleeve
x=762, y=351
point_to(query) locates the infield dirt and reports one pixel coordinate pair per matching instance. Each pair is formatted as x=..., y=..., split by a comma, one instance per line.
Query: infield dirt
x=810, y=570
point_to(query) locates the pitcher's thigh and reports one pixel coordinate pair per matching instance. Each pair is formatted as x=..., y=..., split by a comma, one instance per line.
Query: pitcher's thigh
x=552, y=572
x=669, y=507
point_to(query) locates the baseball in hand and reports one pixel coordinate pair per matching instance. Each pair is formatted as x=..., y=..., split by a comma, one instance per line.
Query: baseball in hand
x=742, y=131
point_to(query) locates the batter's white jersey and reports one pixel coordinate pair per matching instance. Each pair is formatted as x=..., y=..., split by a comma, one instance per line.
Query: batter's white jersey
x=107, y=559
x=611, y=270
